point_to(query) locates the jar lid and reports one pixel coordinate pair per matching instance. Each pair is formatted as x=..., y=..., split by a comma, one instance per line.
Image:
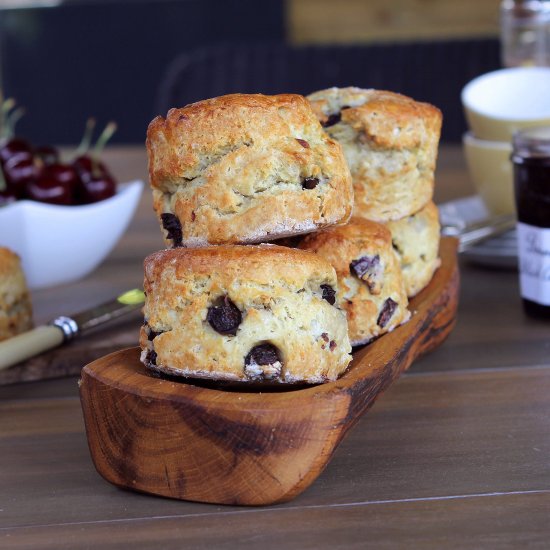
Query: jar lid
x=532, y=142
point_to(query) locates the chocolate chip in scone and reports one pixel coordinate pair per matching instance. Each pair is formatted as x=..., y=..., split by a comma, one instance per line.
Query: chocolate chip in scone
x=303, y=143
x=224, y=316
x=171, y=223
x=386, y=312
x=310, y=183
x=329, y=294
x=332, y=345
x=263, y=362
x=325, y=337
x=369, y=270
x=332, y=120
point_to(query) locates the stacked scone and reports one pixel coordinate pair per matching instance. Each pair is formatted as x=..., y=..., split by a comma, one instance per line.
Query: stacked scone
x=232, y=172
x=390, y=143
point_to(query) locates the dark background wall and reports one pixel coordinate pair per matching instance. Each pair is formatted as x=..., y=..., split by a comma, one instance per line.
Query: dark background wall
x=105, y=59
x=129, y=60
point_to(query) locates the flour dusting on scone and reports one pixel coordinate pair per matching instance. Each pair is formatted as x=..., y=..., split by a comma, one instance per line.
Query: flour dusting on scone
x=245, y=168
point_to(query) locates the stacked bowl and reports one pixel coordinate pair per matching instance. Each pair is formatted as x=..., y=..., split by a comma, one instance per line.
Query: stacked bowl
x=497, y=104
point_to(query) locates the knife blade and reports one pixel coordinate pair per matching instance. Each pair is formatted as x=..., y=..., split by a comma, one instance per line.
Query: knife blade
x=474, y=233
x=63, y=329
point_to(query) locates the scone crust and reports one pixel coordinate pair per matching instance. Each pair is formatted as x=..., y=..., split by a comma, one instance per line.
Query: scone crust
x=390, y=142
x=363, y=304
x=278, y=292
x=15, y=303
x=232, y=169
x=416, y=242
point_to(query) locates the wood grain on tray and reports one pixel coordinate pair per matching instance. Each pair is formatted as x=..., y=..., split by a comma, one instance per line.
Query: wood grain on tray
x=246, y=447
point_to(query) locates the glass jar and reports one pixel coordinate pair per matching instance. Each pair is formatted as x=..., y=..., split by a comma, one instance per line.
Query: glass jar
x=525, y=33
x=531, y=158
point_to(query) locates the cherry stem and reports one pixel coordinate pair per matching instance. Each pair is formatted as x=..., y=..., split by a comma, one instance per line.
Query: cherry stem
x=102, y=140
x=11, y=120
x=105, y=136
x=6, y=106
x=86, y=138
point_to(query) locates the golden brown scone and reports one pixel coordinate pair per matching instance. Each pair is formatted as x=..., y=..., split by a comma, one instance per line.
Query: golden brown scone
x=245, y=169
x=390, y=143
x=15, y=303
x=244, y=313
x=416, y=241
x=370, y=284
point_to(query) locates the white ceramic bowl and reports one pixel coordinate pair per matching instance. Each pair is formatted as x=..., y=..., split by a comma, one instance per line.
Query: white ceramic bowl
x=60, y=244
x=492, y=172
x=499, y=103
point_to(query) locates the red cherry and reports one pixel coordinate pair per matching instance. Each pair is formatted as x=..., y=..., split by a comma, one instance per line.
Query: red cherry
x=86, y=166
x=64, y=173
x=96, y=188
x=48, y=188
x=14, y=146
x=20, y=170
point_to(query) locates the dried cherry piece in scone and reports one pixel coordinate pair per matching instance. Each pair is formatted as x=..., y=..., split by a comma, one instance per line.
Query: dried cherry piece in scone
x=310, y=183
x=386, y=312
x=369, y=270
x=263, y=361
x=329, y=294
x=171, y=223
x=224, y=316
x=151, y=334
x=332, y=120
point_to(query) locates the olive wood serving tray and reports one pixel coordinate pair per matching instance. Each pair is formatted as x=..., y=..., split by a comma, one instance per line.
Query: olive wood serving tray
x=231, y=446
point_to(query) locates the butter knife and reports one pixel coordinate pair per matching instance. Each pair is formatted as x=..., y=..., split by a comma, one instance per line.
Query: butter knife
x=474, y=233
x=63, y=329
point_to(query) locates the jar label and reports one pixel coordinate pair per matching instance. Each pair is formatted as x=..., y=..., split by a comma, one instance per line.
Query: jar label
x=534, y=263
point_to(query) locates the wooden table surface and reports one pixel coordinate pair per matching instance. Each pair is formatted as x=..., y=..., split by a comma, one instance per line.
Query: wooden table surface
x=455, y=454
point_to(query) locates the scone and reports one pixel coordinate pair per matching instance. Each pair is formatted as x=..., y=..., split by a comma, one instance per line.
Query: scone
x=390, y=143
x=370, y=284
x=15, y=304
x=245, y=169
x=243, y=313
x=416, y=241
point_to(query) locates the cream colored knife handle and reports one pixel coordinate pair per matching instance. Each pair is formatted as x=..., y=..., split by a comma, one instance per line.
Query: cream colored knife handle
x=26, y=345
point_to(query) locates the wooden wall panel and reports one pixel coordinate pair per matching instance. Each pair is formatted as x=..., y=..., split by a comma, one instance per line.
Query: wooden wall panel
x=345, y=21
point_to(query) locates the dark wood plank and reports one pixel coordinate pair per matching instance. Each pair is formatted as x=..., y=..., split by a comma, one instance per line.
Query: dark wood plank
x=505, y=521
x=429, y=435
x=491, y=331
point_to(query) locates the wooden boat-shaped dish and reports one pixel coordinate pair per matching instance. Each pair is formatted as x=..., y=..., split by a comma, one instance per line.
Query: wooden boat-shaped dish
x=192, y=442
